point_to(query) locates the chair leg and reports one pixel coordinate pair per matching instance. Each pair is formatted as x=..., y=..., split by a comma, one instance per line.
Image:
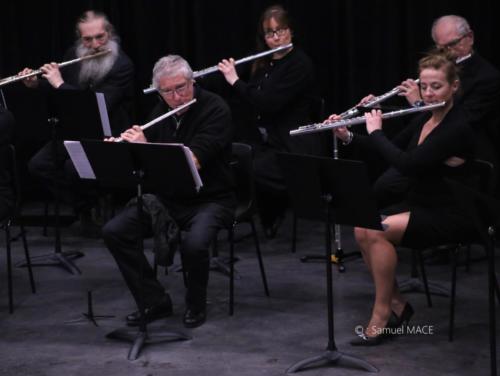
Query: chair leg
x=9, y=268
x=27, y=257
x=45, y=217
x=215, y=249
x=259, y=256
x=155, y=266
x=231, y=269
x=294, y=233
x=420, y=260
x=492, y=279
x=451, y=325
x=467, y=258
x=497, y=288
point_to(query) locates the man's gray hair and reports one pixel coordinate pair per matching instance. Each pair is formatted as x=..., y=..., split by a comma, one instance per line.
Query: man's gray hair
x=461, y=24
x=171, y=65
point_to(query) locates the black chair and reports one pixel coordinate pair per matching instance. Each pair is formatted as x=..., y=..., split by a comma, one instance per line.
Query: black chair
x=242, y=165
x=8, y=156
x=483, y=211
x=483, y=172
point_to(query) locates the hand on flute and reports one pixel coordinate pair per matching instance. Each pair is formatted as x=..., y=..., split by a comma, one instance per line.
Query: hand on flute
x=341, y=132
x=31, y=82
x=134, y=134
x=227, y=67
x=52, y=73
x=410, y=89
x=365, y=100
x=373, y=120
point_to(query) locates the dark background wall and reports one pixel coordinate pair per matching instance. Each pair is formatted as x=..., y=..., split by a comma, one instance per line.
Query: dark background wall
x=358, y=47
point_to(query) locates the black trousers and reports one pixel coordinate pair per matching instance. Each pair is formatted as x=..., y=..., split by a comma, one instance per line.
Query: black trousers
x=199, y=222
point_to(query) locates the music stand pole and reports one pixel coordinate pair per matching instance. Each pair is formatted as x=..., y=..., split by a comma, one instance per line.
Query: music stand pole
x=331, y=355
x=58, y=257
x=338, y=256
x=124, y=165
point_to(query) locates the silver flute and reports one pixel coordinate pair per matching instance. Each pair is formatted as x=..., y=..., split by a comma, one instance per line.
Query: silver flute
x=215, y=68
x=320, y=127
x=162, y=117
x=354, y=111
x=15, y=78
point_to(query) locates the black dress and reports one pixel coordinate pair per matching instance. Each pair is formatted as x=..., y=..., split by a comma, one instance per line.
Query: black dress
x=435, y=217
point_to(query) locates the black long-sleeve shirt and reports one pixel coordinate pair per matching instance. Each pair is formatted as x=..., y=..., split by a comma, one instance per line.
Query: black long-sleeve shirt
x=205, y=128
x=280, y=94
x=424, y=164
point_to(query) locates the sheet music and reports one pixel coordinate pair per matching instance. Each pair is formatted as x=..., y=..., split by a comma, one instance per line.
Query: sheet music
x=103, y=112
x=79, y=159
x=189, y=158
x=192, y=167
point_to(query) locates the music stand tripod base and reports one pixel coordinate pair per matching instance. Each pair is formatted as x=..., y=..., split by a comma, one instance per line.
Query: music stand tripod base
x=141, y=338
x=416, y=285
x=334, y=357
x=63, y=259
x=89, y=315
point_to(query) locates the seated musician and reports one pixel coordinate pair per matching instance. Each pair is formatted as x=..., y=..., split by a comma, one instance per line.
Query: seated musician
x=111, y=74
x=479, y=94
x=205, y=127
x=280, y=93
x=434, y=146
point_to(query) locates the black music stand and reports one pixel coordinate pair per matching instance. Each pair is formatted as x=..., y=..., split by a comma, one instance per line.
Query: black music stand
x=338, y=256
x=334, y=191
x=78, y=115
x=160, y=166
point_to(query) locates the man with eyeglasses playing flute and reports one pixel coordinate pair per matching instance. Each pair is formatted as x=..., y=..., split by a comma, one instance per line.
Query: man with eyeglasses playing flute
x=206, y=128
x=111, y=74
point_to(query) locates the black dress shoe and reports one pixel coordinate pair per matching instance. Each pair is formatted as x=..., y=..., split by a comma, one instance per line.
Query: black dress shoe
x=193, y=319
x=152, y=313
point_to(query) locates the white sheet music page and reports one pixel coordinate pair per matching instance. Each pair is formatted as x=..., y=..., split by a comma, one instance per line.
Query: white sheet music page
x=192, y=167
x=79, y=159
x=103, y=112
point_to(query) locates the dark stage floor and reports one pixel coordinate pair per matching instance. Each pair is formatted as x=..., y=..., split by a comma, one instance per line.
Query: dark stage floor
x=264, y=337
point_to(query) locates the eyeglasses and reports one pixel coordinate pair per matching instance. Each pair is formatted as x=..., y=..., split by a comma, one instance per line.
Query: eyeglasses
x=98, y=38
x=452, y=43
x=179, y=90
x=279, y=32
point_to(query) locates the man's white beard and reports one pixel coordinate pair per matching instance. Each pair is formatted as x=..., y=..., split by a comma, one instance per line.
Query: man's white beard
x=93, y=70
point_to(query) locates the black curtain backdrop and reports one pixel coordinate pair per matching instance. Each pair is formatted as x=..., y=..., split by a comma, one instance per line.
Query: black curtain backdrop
x=358, y=47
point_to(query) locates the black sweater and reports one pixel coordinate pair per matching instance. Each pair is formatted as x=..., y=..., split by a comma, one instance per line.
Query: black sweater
x=206, y=129
x=280, y=94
